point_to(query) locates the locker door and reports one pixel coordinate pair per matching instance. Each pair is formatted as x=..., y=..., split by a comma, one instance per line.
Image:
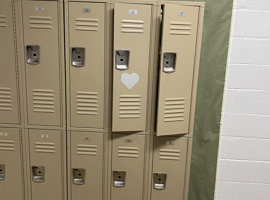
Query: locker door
x=46, y=164
x=132, y=25
x=8, y=84
x=86, y=46
x=42, y=62
x=86, y=166
x=176, y=68
x=11, y=178
x=128, y=167
x=169, y=164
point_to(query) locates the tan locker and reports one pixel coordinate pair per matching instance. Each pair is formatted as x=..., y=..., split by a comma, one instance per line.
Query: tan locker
x=132, y=25
x=169, y=163
x=177, y=64
x=43, y=63
x=46, y=164
x=86, y=161
x=86, y=64
x=9, y=66
x=128, y=167
x=11, y=166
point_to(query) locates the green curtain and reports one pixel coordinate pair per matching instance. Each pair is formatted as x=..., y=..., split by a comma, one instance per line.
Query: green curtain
x=214, y=53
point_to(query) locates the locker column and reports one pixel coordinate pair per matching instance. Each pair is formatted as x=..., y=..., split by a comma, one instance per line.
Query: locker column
x=133, y=88
x=12, y=160
x=181, y=33
x=44, y=97
x=88, y=63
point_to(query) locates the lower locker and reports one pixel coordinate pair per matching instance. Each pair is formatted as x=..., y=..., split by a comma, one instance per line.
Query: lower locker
x=169, y=163
x=86, y=165
x=47, y=164
x=11, y=166
x=128, y=167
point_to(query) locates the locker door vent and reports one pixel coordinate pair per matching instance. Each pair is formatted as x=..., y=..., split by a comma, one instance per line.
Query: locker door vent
x=132, y=26
x=128, y=152
x=43, y=101
x=7, y=145
x=45, y=147
x=5, y=99
x=169, y=154
x=3, y=21
x=174, y=109
x=40, y=22
x=130, y=106
x=87, y=103
x=180, y=28
x=85, y=149
x=86, y=24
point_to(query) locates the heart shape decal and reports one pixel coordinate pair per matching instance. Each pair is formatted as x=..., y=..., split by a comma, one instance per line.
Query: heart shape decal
x=129, y=80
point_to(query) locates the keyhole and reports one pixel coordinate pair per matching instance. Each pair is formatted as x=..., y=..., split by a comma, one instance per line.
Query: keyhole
x=35, y=55
x=167, y=62
x=79, y=57
x=121, y=59
x=79, y=174
x=159, y=179
x=119, y=177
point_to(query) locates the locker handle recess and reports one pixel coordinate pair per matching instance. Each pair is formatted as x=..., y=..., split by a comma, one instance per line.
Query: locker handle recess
x=160, y=181
x=119, y=178
x=2, y=172
x=33, y=54
x=78, y=176
x=169, y=62
x=38, y=174
x=78, y=56
x=122, y=59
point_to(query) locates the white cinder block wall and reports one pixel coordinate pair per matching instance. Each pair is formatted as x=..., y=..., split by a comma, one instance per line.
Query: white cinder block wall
x=244, y=156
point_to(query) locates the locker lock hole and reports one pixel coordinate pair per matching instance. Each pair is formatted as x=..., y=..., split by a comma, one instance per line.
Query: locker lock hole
x=2, y=172
x=78, y=56
x=33, y=54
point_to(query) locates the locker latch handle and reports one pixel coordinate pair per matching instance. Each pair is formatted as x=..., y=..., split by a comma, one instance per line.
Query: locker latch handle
x=78, y=56
x=79, y=176
x=119, y=178
x=122, y=59
x=38, y=174
x=160, y=181
x=169, y=62
x=33, y=54
x=2, y=172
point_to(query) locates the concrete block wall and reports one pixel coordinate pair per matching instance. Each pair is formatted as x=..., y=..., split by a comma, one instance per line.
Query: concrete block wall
x=244, y=156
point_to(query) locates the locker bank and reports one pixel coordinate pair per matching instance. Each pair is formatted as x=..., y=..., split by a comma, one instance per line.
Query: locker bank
x=97, y=98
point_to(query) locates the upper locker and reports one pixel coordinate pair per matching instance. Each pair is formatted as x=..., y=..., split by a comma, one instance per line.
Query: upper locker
x=86, y=52
x=44, y=75
x=177, y=64
x=132, y=25
x=9, y=113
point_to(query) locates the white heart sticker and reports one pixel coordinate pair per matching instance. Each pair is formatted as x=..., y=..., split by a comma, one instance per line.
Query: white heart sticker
x=129, y=80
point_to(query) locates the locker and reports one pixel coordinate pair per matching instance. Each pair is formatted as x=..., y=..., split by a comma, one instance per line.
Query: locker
x=9, y=110
x=11, y=164
x=47, y=163
x=86, y=64
x=177, y=64
x=169, y=163
x=86, y=161
x=128, y=167
x=43, y=62
x=132, y=25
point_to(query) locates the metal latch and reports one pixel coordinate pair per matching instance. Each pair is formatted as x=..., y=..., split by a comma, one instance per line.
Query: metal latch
x=78, y=176
x=169, y=62
x=2, y=172
x=78, y=56
x=160, y=181
x=33, y=54
x=38, y=174
x=119, y=178
x=122, y=59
